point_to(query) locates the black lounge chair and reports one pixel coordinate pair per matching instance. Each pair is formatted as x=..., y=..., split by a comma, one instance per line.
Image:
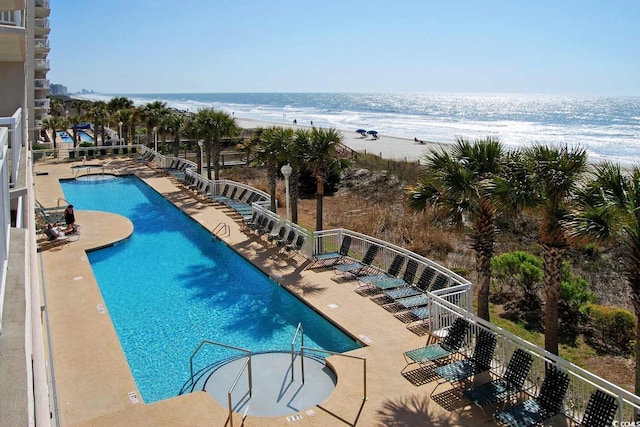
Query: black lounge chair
x=260, y=222
x=423, y=285
x=392, y=272
x=268, y=228
x=546, y=405
x=295, y=247
x=277, y=236
x=418, y=303
x=360, y=268
x=480, y=361
x=435, y=352
x=288, y=240
x=500, y=389
x=601, y=410
x=407, y=279
x=222, y=196
x=332, y=258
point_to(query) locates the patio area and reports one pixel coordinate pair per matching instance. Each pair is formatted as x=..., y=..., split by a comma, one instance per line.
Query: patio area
x=94, y=386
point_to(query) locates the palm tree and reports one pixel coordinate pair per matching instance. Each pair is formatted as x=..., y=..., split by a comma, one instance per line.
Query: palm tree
x=295, y=154
x=152, y=114
x=53, y=124
x=97, y=113
x=611, y=213
x=546, y=180
x=250, y=144
x=321, y=159
x=127, y=117
x=457, y=184
x=119, y=103
x=271, y=154
x=173, y=123
x=211, y=126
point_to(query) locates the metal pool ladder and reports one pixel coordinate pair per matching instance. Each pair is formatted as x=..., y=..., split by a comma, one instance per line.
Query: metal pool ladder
x=223, y=228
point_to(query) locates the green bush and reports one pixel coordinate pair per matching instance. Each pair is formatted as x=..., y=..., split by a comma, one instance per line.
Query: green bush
x=517, y=277
x=574, y=290
x=614, y=327
x=86, y=144
x=517, y=269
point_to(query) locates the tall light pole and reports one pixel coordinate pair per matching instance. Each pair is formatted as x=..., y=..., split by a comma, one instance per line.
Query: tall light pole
x=155, y=138
x=286, y=171
x=120, y=133
x=200, y=143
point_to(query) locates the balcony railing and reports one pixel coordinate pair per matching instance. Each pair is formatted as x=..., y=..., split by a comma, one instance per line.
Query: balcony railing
x=41, y=43
x=5, y=214
x=42, y=23
x=41, y=84
x=41, y=64
x=43, y=4
x=42, y=103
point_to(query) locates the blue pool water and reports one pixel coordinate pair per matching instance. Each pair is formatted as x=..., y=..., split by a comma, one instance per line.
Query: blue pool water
x=64, y=136
x=170, y=286
x=67, y=137
x=84, y=137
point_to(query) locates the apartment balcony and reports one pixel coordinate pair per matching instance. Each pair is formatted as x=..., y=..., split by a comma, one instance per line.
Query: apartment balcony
x=42, y=26
x=42, y=104
x=43, y=8
x=41, y=64
x=41, y=84
x=41, y=45
x=12, y=36
x=37, y=124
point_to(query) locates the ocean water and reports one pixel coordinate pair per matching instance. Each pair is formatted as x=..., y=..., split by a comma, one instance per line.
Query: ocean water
x=607, y=127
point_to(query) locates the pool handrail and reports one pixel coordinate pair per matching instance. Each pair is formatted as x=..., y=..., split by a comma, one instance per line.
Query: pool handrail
x=219, y=344
x=293, y=343
x=335, y=353
x=247, y=363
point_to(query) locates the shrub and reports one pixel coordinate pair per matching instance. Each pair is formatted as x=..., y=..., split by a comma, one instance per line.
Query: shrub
x=574, y=290
x=519, y=270
x=517, y=276
x=614, y=328
x=86, y=144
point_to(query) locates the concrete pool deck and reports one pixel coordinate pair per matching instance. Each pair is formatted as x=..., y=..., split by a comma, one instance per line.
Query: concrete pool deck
x=94, y=386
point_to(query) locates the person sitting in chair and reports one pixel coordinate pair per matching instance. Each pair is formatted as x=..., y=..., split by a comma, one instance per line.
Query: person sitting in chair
x=53, y=233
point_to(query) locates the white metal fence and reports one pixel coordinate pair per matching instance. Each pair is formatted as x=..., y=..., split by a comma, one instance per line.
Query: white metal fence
x=582, y=382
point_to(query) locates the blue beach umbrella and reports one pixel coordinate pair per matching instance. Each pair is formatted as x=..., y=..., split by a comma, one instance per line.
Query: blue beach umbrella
x=372, y=132
x=361, y=131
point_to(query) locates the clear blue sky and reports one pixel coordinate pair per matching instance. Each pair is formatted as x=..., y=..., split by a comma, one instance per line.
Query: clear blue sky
x=481, y=46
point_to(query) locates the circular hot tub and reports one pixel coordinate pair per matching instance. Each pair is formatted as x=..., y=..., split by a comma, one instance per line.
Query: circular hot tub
x=96, y=177
x=274, y=393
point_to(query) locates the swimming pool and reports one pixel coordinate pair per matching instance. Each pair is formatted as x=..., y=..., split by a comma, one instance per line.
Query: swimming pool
x=66, y=137
x=170, y=286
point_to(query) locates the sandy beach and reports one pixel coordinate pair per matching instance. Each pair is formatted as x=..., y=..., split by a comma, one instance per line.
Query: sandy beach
x=389, y=147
